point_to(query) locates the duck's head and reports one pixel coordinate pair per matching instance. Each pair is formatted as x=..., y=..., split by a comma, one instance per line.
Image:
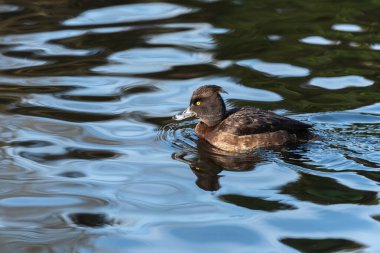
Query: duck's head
x=206, y=104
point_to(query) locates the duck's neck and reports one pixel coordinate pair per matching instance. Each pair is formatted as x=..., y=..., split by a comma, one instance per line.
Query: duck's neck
x=201, y=129
x=217, y=114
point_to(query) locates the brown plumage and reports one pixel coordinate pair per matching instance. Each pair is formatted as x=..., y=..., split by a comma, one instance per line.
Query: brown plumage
x=249, y=120
x=242, y=129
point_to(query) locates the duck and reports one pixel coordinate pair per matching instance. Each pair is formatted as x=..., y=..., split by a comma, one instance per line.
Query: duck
x=240, y=130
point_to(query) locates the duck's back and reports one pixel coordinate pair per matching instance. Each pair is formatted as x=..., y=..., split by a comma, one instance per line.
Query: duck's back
x=249, y=120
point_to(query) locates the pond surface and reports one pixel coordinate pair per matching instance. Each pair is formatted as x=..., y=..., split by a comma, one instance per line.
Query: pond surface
x=91, y=160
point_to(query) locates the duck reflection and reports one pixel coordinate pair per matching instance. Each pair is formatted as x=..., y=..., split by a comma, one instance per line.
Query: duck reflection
x=207, y=162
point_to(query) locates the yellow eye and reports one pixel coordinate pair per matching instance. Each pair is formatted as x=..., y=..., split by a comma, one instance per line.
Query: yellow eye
x=198, y=103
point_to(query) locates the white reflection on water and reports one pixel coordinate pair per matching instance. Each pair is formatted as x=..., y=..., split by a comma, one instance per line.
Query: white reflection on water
x=275, y=69
x=347, y=28
x=375, y=46
x=128, y=13
x=15, y=63
x=196, y=35
x=340, y=82
x=150, y=60
x=7, y=8
x=318, y=40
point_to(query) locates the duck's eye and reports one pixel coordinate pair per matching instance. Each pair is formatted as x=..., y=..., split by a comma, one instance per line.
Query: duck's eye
x=198, y=103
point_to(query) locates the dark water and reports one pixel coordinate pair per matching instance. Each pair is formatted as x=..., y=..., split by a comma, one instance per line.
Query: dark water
x=92, y=162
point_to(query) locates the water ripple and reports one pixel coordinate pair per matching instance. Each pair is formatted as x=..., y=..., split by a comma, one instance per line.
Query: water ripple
x=59, y=114
x=41, y=43
x=71, y=153
x=179, y=135
x=23, y=202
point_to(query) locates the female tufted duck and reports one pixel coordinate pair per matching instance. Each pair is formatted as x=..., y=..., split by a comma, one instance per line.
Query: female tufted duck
x=242, y=129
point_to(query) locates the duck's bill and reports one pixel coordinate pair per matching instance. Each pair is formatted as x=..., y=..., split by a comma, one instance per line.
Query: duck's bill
x=184, y=115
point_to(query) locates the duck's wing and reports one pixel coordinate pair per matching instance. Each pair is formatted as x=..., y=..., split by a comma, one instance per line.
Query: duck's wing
x=248, y=120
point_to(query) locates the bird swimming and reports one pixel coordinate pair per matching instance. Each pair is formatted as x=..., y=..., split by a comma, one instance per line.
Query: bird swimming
x=240, y=129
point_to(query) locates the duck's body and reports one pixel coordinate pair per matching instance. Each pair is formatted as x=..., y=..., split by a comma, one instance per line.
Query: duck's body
x=244, y=129
x=248, y=128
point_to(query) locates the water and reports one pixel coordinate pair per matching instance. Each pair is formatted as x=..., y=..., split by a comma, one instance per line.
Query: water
x=92, y=162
